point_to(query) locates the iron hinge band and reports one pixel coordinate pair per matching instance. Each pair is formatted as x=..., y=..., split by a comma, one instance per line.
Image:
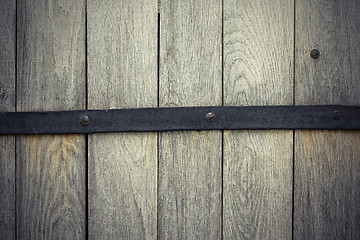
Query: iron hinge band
x=182, y=118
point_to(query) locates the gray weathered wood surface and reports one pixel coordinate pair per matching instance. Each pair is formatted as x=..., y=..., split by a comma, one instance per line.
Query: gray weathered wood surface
x=327, y=163
x=7, y=103
x=190, y=162
x=332, y=27
x=257, y=184
x=8, y=55
x=258, y=52
x=258, y=70
x=65, y=55
x=7, y=193
x=327, y=185
x=51, y=76
x=122, y=60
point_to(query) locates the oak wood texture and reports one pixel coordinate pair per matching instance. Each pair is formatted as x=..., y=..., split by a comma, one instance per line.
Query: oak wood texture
x=258, y=70
x=122, y=73
x=179, y=185
x=327, y=185
x=190, y=185
x=122, y=186
x=327, y=162
x=257, y=184
x=190, y=162
x=50, y=76
x=7, y=103
x=258, y=52
x=51, y=187
x=8, y=55
x=332, y=27
x=7, y=193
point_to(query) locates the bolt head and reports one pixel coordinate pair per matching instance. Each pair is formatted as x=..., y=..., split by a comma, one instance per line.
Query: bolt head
x=337, y=114
x=210, y=116
x=85, y=120
x=315, y=54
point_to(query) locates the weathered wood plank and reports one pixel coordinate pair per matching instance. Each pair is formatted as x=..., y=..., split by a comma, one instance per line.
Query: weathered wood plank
x=7, y=103
x=122, y=186
x=51, y=187
x=327, y=185
x=7, y=193
x=257, y=184
x=332, y=27
x=8, y=55
x=190, y=162
x=122, y=53
x=51, y=76
x=258, y=70
x=327, y=162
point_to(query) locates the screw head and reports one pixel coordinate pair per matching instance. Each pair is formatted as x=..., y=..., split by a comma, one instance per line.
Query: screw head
x=315, y=54
x=85, y=120
x=210, y=116
x=337, y=114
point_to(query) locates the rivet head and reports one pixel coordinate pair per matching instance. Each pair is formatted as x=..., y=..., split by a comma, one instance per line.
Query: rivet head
x=85, y=120
x=337, y=114
x=315, y=54
x=210, y=116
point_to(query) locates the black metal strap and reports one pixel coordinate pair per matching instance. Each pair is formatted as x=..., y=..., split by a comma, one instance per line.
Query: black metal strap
x=182, y=118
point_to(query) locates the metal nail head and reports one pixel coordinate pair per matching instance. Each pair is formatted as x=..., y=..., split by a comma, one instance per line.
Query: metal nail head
x=85, y=120
x=315, y=54
x=210, y=116
x=337, y=115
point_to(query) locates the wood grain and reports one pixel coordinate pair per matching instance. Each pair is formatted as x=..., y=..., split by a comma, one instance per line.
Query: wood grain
x=7, y=103
x=258, y=70
x=8, y=55
x=123, y=188
x=334, y=31
x=327, y=162
x=7, y=193
x=327, y=185
x=50, y=75
x=122, y=60
x=190, y=185
x=258, y=52
x=257, y=184
x=122, y=54
x=51, y=187
x=190, y=162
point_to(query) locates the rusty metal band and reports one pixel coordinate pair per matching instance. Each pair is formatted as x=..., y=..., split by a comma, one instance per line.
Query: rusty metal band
x=181, y=118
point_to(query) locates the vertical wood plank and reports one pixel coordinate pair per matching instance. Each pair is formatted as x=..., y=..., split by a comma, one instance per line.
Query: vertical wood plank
x=332, y=27
x=7, y=193
x=8, y=55
x=258, y=70
x=190, y=162
x=327, y=163
x=51, y=76
x=257, y=184
x=327, y=185
x=7, y=103
x=122, y=55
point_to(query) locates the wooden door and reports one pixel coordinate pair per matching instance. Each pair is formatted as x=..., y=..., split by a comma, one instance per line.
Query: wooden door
x=273, y=184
